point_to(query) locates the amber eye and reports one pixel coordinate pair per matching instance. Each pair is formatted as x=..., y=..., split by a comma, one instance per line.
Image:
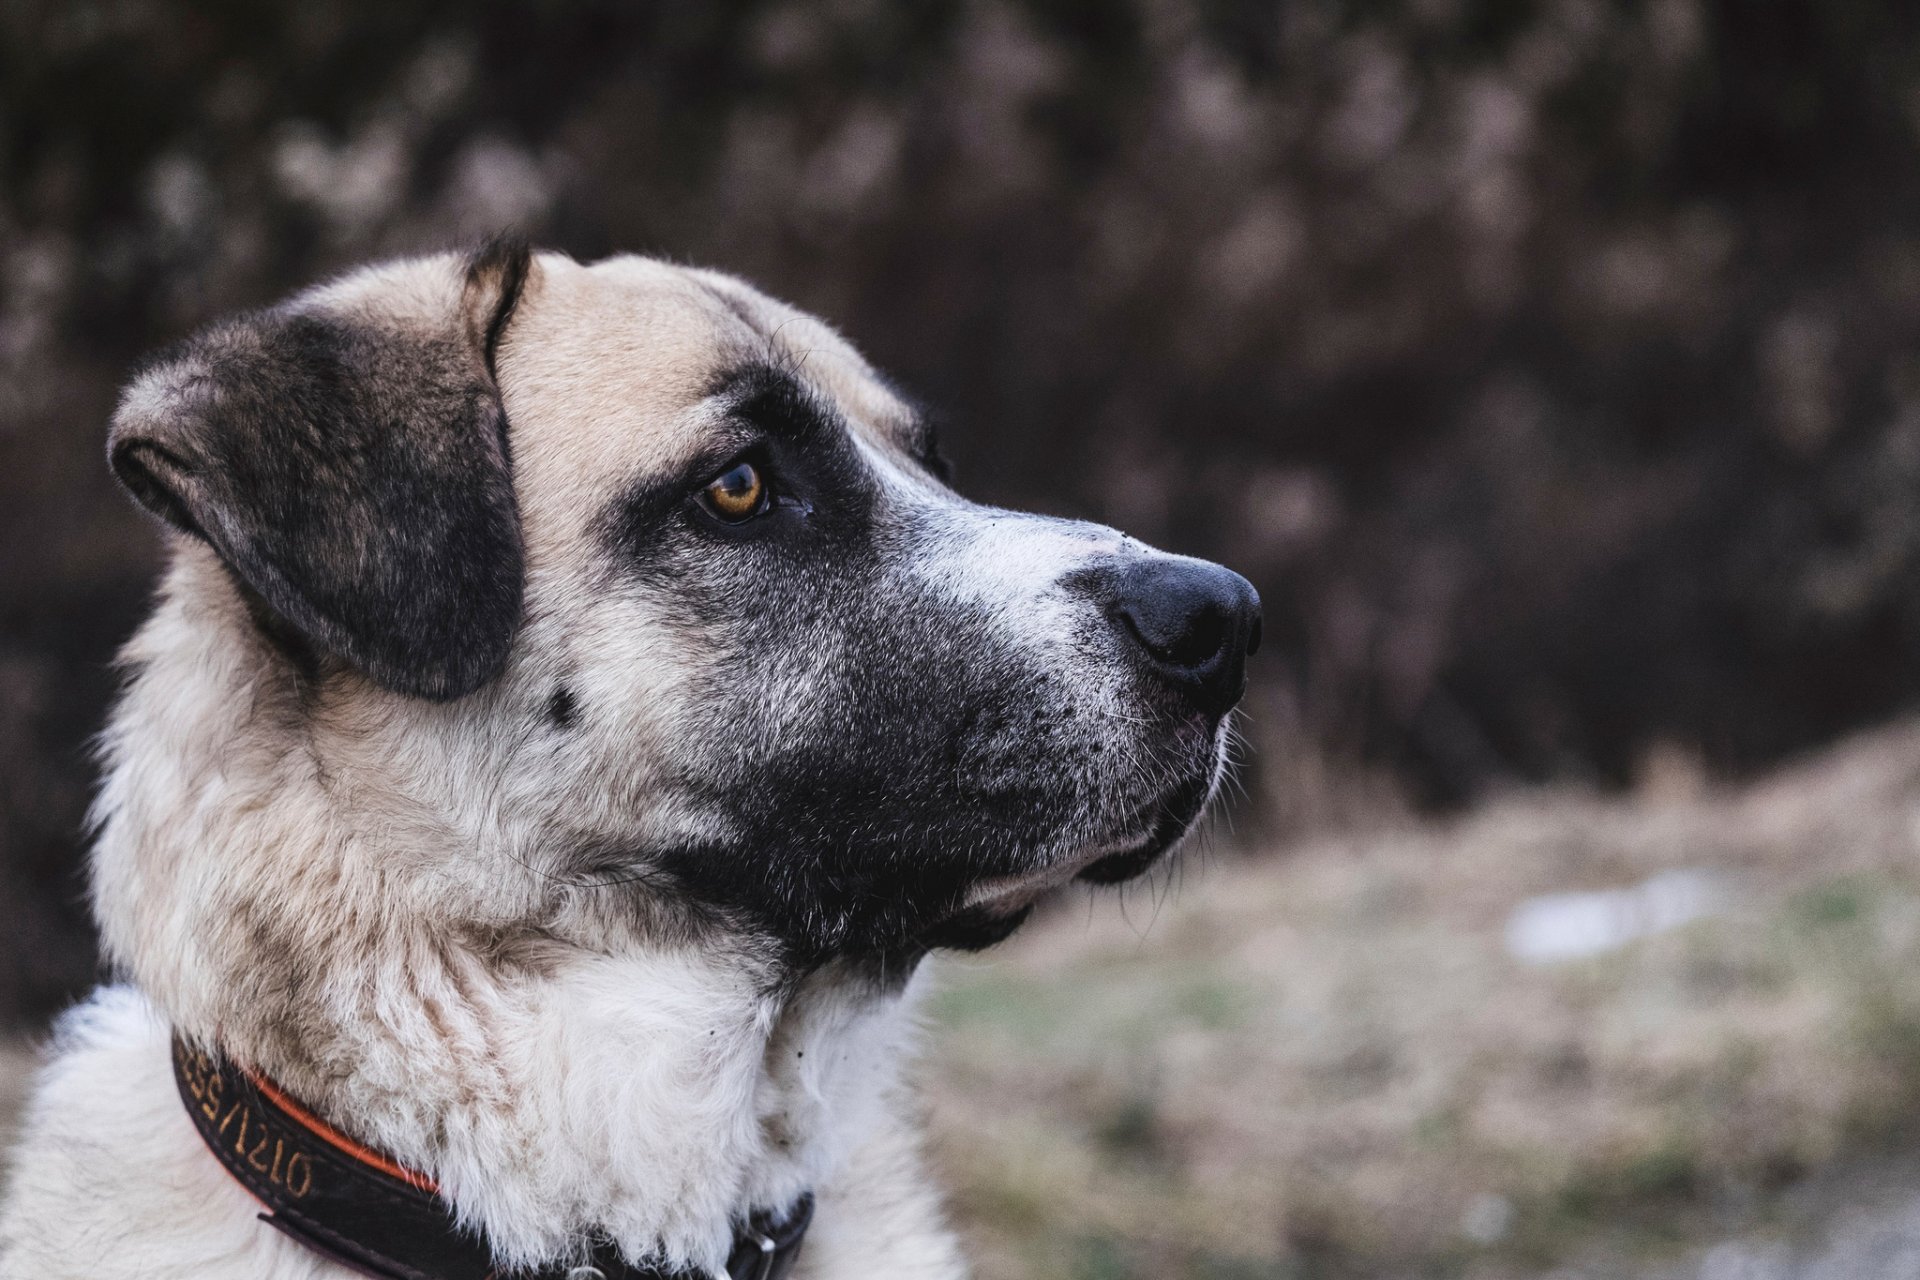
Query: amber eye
x=738, y=493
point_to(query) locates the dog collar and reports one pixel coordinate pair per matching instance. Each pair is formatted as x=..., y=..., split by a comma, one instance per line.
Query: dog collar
x=362, y=1210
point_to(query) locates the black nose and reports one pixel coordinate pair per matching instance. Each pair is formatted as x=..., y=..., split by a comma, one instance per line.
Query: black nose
x=1195, y=622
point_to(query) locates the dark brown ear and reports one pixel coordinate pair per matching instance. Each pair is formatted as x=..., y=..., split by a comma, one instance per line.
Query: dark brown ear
x=354, y=474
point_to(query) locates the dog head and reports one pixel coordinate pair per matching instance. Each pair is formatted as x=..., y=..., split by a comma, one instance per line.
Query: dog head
x=624, y=581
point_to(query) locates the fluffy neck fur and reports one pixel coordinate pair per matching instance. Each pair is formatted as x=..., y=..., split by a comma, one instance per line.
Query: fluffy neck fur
x=294, y=883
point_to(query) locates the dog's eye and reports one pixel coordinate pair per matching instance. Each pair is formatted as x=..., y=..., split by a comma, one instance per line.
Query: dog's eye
x=736, y=494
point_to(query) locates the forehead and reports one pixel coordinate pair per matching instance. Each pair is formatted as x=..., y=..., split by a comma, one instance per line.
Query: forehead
x=606, y=370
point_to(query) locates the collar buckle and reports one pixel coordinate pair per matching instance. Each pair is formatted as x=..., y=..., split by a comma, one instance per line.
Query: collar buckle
x=766, y=1250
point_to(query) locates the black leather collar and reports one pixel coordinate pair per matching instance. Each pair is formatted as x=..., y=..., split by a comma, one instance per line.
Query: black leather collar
x=364, y=1211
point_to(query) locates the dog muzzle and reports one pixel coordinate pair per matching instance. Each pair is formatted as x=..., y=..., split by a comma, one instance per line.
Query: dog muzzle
x=365, y=1212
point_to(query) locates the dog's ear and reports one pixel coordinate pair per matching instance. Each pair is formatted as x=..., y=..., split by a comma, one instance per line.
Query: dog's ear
x=352, y=469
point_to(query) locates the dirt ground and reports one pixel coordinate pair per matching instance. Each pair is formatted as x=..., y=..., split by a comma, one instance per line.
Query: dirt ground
x=1329, y=1061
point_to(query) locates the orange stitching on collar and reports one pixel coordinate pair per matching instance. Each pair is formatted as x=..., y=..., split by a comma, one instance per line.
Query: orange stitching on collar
x=334, y=1138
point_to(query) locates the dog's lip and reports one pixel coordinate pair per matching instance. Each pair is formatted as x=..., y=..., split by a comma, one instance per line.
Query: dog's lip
x=1166, y=820
x=994, y=908
x=1005, y=894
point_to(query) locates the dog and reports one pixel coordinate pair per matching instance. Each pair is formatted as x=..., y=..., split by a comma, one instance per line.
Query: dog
x=575, y=705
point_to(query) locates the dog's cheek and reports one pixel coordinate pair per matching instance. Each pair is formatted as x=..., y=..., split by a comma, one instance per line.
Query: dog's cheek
x=867, y=745
x=925, y=755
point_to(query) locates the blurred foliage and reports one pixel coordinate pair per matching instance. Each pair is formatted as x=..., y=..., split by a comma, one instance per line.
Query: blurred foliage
x=1549, y=365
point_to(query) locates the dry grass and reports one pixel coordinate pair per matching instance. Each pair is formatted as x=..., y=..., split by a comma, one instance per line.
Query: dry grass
x=1324, y=1064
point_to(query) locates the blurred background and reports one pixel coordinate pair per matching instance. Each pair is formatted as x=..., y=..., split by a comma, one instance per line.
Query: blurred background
x=1551, y=367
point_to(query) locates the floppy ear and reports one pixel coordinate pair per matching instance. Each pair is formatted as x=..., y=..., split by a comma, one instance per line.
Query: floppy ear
x=353, y=472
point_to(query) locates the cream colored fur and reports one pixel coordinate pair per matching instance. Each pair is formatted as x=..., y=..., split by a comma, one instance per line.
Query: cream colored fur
x=358, y=894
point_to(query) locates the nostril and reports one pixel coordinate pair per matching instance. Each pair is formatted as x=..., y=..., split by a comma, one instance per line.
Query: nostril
x=1200, y=643
x=1194, y=640
x=1253, y=638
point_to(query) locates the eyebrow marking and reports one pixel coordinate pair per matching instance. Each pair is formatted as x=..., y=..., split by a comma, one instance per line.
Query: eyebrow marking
x=777, y=402
x=767, y=392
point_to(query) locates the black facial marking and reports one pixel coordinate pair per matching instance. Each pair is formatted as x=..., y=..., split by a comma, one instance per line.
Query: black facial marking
x=926, y=753
x=864, y=748
x=774, y=400
x=822, y=496
x=356, y=478
x=922, y=771
x=561, y=709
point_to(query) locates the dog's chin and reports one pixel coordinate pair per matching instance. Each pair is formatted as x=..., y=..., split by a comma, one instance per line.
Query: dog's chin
x=998, y=907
